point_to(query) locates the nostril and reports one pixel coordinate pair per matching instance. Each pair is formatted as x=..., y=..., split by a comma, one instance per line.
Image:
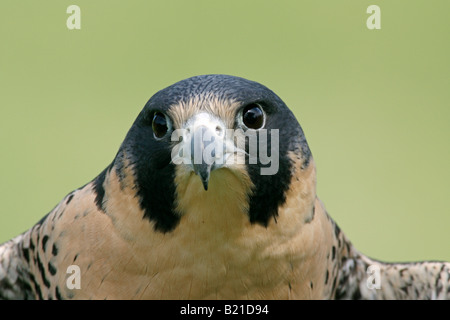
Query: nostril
x=187, y=133
x=219, y=131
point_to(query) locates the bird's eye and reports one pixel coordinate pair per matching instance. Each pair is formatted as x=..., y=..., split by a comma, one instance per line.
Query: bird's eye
x=253, y=116
x=159, y=125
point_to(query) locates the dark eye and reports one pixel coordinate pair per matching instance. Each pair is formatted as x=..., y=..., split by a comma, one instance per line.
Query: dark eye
x=253, y=116
x=159, y=124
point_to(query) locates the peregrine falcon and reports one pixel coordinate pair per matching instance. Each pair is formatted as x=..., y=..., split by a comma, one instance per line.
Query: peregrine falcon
x=212, y=195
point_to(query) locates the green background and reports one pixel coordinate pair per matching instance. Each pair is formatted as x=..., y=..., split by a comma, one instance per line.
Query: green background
x=374, y=104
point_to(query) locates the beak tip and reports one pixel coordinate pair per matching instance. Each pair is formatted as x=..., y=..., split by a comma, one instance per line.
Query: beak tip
x=203, y=172
x=205, y=181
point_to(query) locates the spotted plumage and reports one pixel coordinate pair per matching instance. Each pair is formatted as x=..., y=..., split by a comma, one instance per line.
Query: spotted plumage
x=148, y=227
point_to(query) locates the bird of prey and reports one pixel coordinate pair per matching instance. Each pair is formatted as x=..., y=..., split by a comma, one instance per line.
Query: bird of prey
x=212, y=195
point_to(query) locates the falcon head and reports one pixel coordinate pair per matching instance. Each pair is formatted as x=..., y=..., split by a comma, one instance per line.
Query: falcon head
x=206, y=142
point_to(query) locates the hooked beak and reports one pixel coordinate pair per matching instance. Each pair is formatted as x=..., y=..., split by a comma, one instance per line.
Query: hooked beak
x=199, y=157
x=204, y=139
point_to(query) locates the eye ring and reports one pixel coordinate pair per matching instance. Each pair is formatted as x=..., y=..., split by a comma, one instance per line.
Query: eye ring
x=253, y=116
x=160, y=124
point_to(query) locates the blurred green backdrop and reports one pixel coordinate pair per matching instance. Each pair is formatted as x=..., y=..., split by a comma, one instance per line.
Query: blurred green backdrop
x=375, y=104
